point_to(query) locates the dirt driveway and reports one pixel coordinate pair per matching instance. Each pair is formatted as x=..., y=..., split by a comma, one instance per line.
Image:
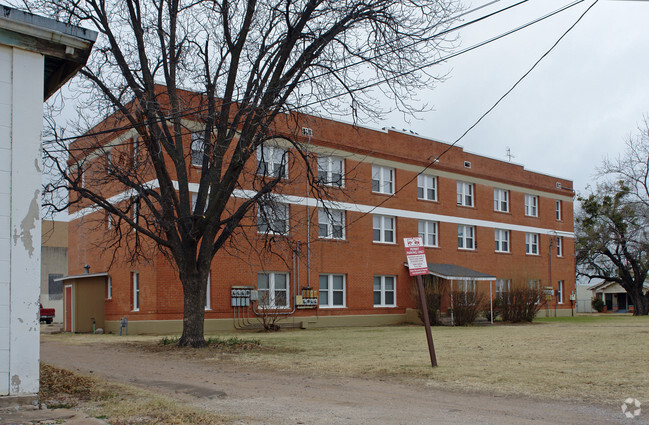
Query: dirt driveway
x=278, y=397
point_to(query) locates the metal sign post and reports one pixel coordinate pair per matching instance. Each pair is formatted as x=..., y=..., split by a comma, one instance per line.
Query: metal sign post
x=418, y=266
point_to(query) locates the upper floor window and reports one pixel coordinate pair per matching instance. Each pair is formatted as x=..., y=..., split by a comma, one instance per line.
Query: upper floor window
x=271, y=161
x=559, y=246
x=331, y=223
x=465, y=194
x=382, y=179
x=272, y=217
x=465, y=236
x=428, y=232
x=502, y=240
x=558, y=209
x=331, y=170
x=273, y=290
x=531, y=205
x=532, y=243
x=501, y=200
x=383, y=229
x=427, y=187
x=198, y=149
x=332, y=290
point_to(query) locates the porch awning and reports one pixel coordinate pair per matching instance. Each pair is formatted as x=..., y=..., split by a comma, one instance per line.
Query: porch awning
x=453, y=272
x=80, y=276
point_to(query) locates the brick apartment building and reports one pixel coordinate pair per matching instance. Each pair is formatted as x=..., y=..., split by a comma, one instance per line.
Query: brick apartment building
x=487, y=225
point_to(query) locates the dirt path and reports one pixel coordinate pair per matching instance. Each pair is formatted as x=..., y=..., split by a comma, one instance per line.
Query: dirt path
x=269, y=397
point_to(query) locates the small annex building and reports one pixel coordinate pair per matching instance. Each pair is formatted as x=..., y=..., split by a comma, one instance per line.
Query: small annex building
x=487, y=226
x=614, y=296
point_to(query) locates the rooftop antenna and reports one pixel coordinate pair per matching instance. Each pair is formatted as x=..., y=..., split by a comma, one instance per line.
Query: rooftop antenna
x=509, y=154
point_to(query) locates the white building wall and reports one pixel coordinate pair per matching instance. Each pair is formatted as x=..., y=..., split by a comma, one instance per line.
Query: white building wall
x=21, y=115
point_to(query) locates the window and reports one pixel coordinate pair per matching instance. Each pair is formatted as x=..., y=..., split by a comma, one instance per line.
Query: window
x=109, y=288
x=109, y=220
x=532, y=243
x=273, y=290
x=427, y=187
x=560, y=292
x=383, y=229
x=272, y=218
x=385, y=294
x=194, y=200
x=271, y=161
x=531, y=205
x=331, y=170
x=331, y=223
x=54, y=287
x=502, y=240
x=501, y=200
x=428, y=232
x=465, y=236
x=136, y=290
x=136, y=212
x=136, y=148
x=198, y=149
x=466, y=286
x=559, y=246
x=382, y=179
x=208, y=293
x=332, y=290
x=502, y=286
x=557, y=204
x=465, y=194
x=534, y=284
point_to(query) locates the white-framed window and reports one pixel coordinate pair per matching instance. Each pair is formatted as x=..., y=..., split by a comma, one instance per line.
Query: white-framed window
x=135, y=276
x=332, y=290
x=557, y=207
x=198, y=149
x=383, y=228
x=109, y=288
x=466, y=286
x=83, y=177
x=331, y=171
x=560, y=292
x=272, y=218
x=271, y=161
x=531, y=205
x=532, y=243
x=502, y=286
x=534, y=284
x=194, y=200
x=136, y=150
x=136, y=213
x=465, y=236
x=502, y=240
x=385, y=291
x=109, y=221
x=465, y=194
x=382, y=179
x=428, y=232
x=427, y=187
x=501, y=200
x=559, y=246
x=331, y=223
x=208, y=293
x=273, y=289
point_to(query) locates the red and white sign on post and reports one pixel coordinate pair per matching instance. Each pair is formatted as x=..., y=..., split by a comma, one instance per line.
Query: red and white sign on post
x=416, y=256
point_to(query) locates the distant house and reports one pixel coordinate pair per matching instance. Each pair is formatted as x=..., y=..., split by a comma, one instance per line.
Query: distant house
x=54, y=265
x=37, y=56
x=615, y=298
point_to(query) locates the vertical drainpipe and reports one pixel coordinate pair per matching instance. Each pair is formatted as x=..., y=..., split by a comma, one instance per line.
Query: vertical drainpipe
x=308, y=132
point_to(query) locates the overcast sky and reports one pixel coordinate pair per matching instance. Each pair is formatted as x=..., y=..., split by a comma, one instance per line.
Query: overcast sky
x=580, y=104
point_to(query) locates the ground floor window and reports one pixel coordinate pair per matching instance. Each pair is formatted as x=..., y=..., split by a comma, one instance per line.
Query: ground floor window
x=332, y=290
x=502, y=286
x=466, y=285
x=208, y=294
x=136, y=290
x=273, y=289
x=560, y=292
x=385, y=294
x=55, y=287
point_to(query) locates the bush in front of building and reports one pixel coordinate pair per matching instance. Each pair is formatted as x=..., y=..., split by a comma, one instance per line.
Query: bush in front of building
x=466, y=307
x=521, y=304
x=434, y=292
x=597, y=304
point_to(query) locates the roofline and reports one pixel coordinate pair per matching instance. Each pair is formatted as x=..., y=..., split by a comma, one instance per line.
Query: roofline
x=80, y=276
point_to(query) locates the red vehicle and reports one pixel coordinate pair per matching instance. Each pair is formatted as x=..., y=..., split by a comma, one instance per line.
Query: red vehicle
x=47, y=314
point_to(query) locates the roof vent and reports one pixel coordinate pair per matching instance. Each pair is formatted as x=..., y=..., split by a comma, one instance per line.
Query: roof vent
x=467, y=164
x=559, y=186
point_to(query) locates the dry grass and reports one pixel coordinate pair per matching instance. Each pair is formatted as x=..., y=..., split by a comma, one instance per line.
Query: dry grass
x=117, y=403
x=598, y=360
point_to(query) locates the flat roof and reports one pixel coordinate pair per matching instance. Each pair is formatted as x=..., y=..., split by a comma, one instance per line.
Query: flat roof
x=80, y=276
x=453, y=272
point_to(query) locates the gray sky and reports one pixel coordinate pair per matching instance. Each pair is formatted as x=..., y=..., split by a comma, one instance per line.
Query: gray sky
x=580, y=103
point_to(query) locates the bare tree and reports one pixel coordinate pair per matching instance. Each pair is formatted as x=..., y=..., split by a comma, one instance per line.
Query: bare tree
x=242, y=71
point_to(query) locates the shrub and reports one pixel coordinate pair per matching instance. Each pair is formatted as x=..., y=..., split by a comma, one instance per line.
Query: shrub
x=497, y=308
x=466, y=307
x=434, y=292
x=597, y=304
x=521, y=304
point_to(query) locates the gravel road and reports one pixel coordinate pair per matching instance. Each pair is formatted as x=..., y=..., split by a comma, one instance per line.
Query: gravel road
x=279, y=397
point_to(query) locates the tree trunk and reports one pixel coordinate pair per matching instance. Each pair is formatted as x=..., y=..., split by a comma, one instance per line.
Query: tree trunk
x=194, y=288
x=640, y=304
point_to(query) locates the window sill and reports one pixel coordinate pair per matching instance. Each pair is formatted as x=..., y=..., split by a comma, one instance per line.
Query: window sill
x=532, y=255
x=383, y=243
x=332, y=307
x=503, y=212
x=503, y=252
x=383, y=193
x=434, y=201
x=467, y=249
x=324, y=238
x=431, y=246
x=531, y=216
x=466, y=206
x=385, y=306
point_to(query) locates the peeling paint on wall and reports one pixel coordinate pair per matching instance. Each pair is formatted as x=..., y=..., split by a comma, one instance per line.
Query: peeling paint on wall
x=15, y=384
x=29, y=224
